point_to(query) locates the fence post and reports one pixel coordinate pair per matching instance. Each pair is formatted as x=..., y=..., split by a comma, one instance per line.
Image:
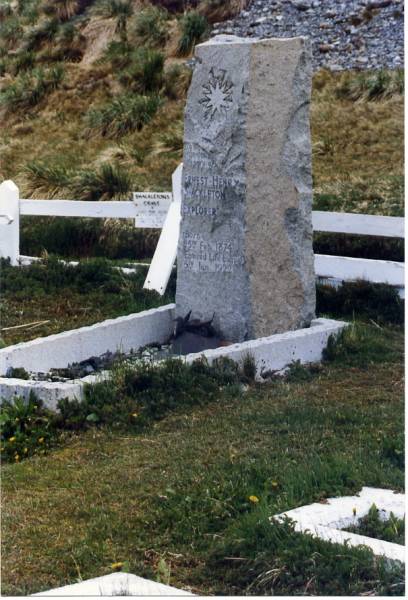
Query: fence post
x=166, y=251
x=9, y=222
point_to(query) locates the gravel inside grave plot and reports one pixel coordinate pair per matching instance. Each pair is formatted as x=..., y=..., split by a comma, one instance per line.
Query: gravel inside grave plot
x=186, y=343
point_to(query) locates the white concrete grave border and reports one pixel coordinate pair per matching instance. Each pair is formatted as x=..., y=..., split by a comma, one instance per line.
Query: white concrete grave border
x=116, y=584
x=327, y=520
x=271, y=354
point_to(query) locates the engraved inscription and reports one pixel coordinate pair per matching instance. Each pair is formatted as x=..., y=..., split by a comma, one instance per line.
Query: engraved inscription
x=215, y=256
x=217, y=96
x=206, y=189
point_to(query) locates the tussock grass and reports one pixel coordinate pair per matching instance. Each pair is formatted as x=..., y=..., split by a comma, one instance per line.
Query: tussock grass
x=124, y=114
x=177, y=80
x=40, y=34
x=118, y=53
x=122, y=10
x=5, y=10
x=169, y=141
x=31, y=87
x=10, y=30
x=22, y=61
x=29, y=10
x=219, y=10
x=109, y=181
x=193, y=28
x=376, y=85
x=48, y=178
x=144, y=73
x=64, y=10
x=151, y=27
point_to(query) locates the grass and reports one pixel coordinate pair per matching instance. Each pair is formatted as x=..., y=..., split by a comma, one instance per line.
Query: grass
x=151, y=27
x=177, y=494
x=69, y=297
x=172, y=500
x=391, y=530
x=376, y=302
x=31, y=87
x=359, y=246
x=347, y=177
x=109, y=181
x=122, y=115
x=193, y=28
x=368, y=86
x=93, y=237
x=144, y=74
x=104, y=183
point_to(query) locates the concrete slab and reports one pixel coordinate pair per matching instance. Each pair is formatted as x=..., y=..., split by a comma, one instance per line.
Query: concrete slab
x=326, y=521
x=116, y=584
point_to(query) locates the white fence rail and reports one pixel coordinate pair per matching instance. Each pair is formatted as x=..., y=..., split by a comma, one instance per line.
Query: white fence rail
x=333, y=222
x=351, y=223
x=336, y=268
x=79, y=208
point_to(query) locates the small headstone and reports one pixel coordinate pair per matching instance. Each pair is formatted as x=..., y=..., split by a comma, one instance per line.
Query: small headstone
x=245, y=250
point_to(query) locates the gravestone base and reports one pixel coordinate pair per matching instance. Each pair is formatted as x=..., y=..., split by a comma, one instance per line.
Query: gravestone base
x=271, y=355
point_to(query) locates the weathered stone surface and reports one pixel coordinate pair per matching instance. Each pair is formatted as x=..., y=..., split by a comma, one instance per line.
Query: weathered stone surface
x=245, y=251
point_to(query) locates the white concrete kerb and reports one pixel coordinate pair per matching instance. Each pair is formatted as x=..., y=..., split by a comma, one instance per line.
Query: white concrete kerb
x=271, y=354
x=116, y=584
x=327, y=520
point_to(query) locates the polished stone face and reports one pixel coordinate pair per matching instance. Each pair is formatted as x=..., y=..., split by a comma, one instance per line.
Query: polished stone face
x=245, y=251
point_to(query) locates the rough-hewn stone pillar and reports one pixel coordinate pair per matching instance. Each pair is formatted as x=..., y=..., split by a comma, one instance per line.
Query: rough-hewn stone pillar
x=245, y=252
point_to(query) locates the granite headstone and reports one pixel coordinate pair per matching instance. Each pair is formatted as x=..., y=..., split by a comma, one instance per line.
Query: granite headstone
x=245, y=252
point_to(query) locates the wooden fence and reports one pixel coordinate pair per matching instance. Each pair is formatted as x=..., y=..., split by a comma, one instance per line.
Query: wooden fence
x=332, y=269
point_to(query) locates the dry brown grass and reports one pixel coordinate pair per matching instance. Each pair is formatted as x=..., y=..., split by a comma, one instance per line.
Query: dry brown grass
x=220, y=10
x=357, y=145
x=355, y=138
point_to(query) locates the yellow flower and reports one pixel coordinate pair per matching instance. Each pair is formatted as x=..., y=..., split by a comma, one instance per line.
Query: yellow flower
x=117, y=566
x=275, y=484
x=12, y=439
x=253, y=499
x=135, y=415
x=40, y=440
x=16, y=458
x=25, y=450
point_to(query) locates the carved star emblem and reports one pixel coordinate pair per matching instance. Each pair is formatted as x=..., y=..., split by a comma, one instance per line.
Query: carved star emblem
x=217, y=97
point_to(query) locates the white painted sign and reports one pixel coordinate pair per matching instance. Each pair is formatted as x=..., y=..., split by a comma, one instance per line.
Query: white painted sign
x=151, y=208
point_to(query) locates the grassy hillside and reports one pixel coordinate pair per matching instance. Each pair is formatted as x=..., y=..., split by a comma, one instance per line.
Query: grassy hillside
x=92, y=95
